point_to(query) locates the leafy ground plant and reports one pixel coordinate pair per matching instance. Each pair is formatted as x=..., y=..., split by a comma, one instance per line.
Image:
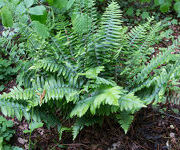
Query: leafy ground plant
x=6, y=133
x=9, y=60
x=86, y=68
x=164, y=6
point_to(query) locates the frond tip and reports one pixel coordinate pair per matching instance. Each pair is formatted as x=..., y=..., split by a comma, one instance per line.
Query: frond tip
x=106, y=95
x=125, y=119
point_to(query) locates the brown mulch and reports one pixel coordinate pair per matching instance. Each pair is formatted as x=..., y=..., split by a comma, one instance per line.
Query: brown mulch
x=9, y=86
x=151, y=130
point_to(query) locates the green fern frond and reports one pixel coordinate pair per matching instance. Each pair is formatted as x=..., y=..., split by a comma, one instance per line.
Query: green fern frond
x=150, y=38
x=56, y=89
x=85, y=67
x=82, y=107
x=81, y=23
x=157, y=86
x=125, y=119
x=65, y=72
x=14, y=109
x=102, y=81
x=44, y=91
x=138, y=34
x=157, y=61
x=60, y=92
x=107, y=95
x=137, y=50
x=77, y=127
x=92, y=73
x=130, y=102
x=84, y=121
x=173, y=98
x=17, y=93
x=154, y=63
x=111, y=26
x=84, y=16
x=106, y=40
x=52, y=66
x=42, y=114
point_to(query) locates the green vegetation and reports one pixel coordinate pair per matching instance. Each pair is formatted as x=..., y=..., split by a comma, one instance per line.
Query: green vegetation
x=9, y=62
x=5, y=134
x=88, y=65
x=166, y=5
x=147, y=6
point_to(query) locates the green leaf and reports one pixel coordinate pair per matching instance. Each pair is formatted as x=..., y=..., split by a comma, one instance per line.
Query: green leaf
x=16, y=148
x=7, y=19
x=125, y=119
x=33, y=126
x=37, y=10
x=4, y=111
x=177, y=7
x=61, y=130
x=130, y=11
x=108, y=96
x=50, y=2
x=145, y=15
x=165, y=7
x=159, y=2
x=61, y=4
x=9, y=123
x=130, y=102
x=1, y=143
x=82, y=107
x=77, y=127
x=92, y=73
x=2, y=87
x=69, y=4
x=2, y=3
x=41, y=18
x=26, y=131
x=81, y=23
x=20, y=9
x=175, y=21
x=28, y=3
x=40, y=29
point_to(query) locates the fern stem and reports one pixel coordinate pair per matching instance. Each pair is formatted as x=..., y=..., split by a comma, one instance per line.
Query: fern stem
x=29, y=147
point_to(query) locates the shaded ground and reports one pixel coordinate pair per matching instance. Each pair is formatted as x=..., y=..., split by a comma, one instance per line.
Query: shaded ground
x=8, y=86
x=151, y=130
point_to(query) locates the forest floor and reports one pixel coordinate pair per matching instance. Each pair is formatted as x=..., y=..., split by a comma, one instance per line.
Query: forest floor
x=152, y=129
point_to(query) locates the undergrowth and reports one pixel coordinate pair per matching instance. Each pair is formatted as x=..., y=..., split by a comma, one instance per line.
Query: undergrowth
x=86, y=66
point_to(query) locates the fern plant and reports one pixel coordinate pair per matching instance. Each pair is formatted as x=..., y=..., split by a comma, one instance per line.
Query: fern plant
x=89, y=68
x=6, y=133
x=9, y=58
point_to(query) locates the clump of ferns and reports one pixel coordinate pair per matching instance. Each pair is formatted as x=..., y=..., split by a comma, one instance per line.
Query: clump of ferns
x=97, y=70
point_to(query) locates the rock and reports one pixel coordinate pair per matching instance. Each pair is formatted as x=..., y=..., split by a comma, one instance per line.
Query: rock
x=172, y=135
x=22, y=141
